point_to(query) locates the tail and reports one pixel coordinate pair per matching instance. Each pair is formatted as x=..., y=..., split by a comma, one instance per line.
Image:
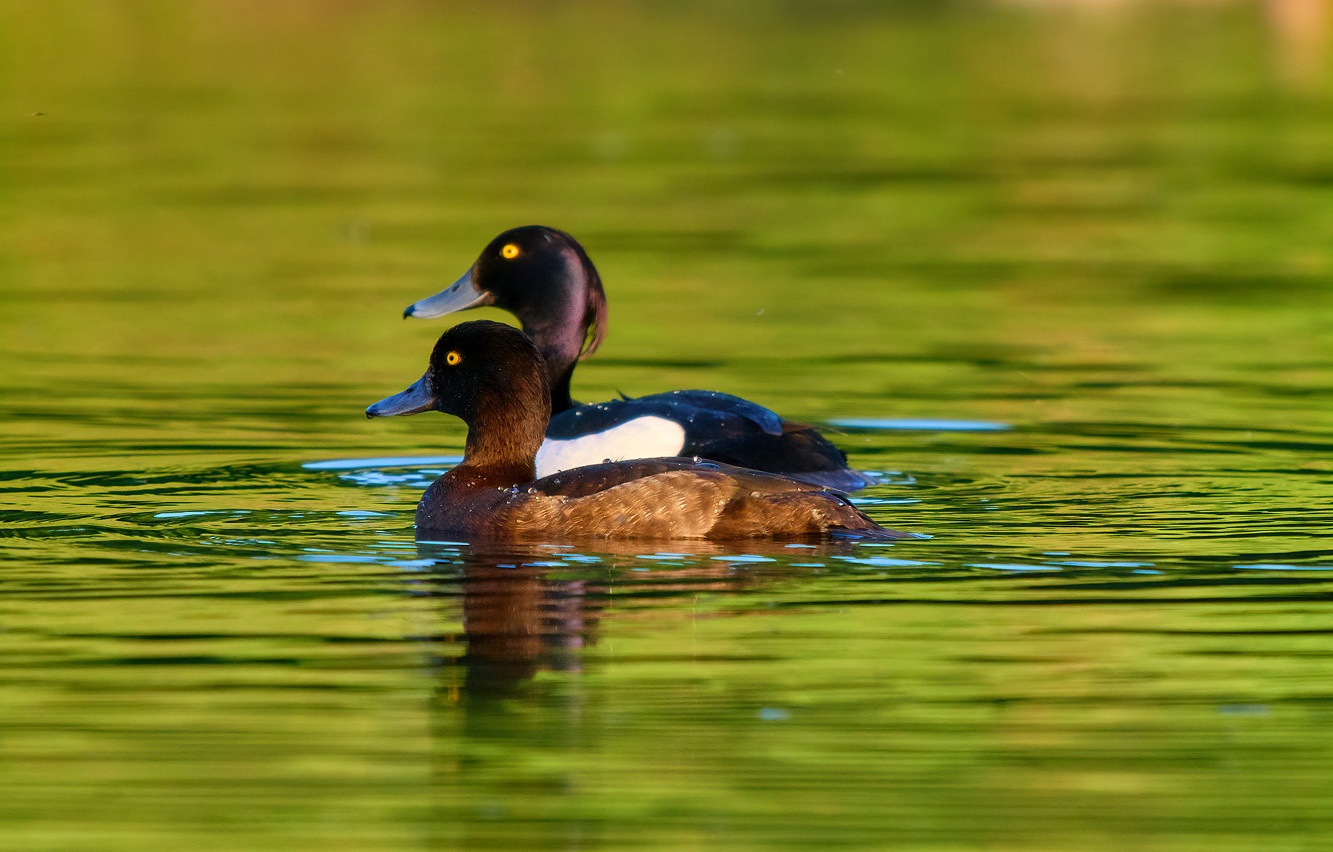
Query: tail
x=844, y=479
x=847, y=521
x=875, y=532
x=831, y=513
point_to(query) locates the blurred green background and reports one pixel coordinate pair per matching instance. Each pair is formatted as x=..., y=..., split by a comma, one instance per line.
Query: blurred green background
x=236, y=187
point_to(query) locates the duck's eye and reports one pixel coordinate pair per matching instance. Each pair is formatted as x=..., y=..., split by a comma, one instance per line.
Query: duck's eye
x=509, y=252
x=452, y=359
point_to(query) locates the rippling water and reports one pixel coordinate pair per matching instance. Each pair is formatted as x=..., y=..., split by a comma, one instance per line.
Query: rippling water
x=1060, y=282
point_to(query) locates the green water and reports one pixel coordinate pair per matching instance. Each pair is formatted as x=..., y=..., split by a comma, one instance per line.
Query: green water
x=1109, y=231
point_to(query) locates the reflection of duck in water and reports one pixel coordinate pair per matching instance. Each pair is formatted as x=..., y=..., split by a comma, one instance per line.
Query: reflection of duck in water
x=492, y=377
x=503, y=731
x=518, y=620
x=543, y=277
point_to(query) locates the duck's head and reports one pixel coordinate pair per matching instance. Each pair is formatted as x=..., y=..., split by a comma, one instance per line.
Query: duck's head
x=543, y=277
x=492, y=377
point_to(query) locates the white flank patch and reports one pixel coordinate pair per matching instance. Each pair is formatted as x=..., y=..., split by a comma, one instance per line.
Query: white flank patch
x=641, y=438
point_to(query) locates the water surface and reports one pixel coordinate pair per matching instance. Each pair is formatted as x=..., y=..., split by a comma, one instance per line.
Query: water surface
x=1060, y=280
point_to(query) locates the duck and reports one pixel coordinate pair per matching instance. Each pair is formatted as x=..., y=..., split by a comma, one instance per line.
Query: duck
x=546, y=280
x=492, y=377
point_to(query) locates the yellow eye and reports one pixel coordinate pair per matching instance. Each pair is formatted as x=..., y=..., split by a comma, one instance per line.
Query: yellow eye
x=509, y=252
x=452, y=358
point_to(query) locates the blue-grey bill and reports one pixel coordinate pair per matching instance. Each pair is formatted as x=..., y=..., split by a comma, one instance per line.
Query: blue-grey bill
x=459, y=296
x=416, y=399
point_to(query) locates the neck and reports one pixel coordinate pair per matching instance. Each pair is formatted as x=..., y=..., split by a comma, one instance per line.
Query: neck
x=560, y=359
x=560, y=342
x=502, y=439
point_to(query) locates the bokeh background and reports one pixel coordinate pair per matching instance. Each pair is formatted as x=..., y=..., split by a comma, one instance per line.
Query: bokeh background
x=1098, y=231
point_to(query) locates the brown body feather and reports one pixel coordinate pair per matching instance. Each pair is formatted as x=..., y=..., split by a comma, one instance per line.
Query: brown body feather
x=643, y=499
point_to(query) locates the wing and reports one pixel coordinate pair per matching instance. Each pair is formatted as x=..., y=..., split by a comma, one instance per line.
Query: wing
x=720, y=411
x=701, y=413
x=664, y=502
x=682, y=498
x=596, y=478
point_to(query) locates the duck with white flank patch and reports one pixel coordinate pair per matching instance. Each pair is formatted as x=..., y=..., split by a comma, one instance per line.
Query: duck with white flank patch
x=545, y=279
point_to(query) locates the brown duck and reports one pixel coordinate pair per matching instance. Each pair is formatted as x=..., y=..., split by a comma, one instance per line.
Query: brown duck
x=493, y=378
